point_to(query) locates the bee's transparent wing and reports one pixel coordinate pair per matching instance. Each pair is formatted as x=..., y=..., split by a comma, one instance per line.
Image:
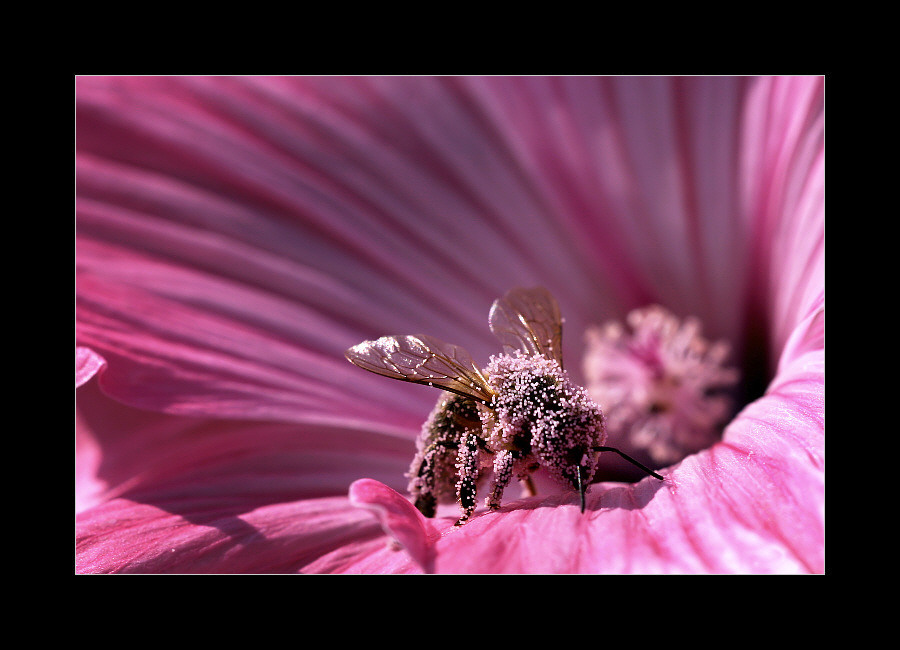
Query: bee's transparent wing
x=528, y=320
x=422, y=360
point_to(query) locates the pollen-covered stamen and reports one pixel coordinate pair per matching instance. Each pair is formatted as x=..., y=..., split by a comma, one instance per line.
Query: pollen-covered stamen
x=663, y=387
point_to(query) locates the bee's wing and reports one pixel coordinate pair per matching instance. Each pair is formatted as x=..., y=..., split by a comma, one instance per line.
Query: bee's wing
x=422, y=360
x=528, y=320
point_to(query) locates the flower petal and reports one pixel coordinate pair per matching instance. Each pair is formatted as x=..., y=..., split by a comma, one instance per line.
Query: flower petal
x=172, y=356
x=198, y=535
x=783, y=201
x=87, y=364
x=713, y=515
x=398, y=517
x=157, y=493
x=146, y=457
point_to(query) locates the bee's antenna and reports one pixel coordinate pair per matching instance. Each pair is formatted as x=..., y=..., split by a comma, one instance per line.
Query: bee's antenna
x=629, y=459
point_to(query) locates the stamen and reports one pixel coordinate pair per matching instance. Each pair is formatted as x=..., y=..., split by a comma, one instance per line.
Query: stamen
x=662, y=386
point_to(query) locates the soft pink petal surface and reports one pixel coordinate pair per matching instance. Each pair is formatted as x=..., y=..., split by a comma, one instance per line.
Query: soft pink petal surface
x=87, y=364
x=207, y=536
x=229, y=496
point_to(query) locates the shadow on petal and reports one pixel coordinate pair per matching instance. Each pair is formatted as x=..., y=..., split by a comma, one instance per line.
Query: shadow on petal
x=601, y=496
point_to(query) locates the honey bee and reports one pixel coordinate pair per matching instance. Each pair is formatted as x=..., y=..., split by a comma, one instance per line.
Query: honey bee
x=516, y=415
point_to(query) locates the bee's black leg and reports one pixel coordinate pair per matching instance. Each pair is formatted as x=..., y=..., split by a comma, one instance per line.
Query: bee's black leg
x=503, y=471
x=630, y=460
x=581, y=487
x=467, y=487
x=426, y=502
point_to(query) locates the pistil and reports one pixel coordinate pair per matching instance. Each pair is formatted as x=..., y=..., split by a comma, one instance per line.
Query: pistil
x=663, y=387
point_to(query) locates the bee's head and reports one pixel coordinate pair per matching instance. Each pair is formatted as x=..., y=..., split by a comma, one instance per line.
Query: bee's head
x=570, y=461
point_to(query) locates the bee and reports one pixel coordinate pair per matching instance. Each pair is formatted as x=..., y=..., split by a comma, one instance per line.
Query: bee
x=518, y=414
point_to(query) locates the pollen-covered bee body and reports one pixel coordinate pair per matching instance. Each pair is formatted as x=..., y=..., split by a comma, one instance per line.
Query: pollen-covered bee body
x=518, y=414
x=433, y=474
x=544, y=418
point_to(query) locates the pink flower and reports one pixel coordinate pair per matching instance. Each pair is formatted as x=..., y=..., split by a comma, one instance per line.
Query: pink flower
x=236, y=235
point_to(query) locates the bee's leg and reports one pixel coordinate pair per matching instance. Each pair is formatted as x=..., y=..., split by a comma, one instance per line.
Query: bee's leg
x=503, y=471
x=467, y=463
x=432, y=457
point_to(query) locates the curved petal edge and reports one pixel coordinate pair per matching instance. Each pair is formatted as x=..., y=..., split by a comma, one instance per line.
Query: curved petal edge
x=87, y=364
x=398, y=517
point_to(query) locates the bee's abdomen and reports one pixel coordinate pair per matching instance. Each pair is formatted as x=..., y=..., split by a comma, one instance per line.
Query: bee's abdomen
x=433, y=472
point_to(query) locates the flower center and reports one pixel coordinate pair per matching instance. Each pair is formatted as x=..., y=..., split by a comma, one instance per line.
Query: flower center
x=663, y=388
